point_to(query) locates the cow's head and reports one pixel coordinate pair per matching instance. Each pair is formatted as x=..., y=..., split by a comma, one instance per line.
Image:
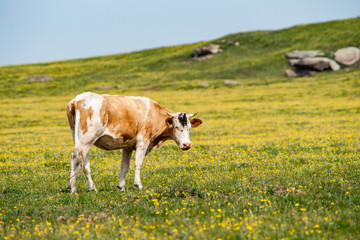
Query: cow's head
x=180, y=125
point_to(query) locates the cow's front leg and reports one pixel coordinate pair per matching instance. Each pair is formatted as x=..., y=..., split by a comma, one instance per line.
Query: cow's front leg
x=139, y=157
x=125, y=163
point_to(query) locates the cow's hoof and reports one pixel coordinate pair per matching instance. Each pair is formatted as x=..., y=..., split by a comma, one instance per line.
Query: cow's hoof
x=120, y=189
x=93, y=189
x=138, y=186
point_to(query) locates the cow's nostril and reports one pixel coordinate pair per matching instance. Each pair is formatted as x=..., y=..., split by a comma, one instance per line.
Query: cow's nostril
x=186, y=146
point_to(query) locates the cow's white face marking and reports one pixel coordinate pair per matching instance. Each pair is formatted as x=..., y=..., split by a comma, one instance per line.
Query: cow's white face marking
x=181, y=128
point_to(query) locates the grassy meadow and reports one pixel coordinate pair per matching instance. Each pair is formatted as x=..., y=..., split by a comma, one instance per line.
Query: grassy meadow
x=275, y=157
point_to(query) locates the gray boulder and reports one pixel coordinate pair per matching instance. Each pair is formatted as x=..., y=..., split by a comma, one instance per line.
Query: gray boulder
x=304, y=54
x=347, y=56
x=210, y=49
x=204, y=85
x=105, y=87
x=299, y=72
x=202, y=58
x=314, y=63
x=232, y=82
x=40, y=78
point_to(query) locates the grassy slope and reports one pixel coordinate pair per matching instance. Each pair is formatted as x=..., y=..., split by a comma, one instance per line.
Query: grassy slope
x=259, y=59
x=275, y=158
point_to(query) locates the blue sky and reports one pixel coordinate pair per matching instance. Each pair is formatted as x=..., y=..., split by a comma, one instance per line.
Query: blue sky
x=34, y=31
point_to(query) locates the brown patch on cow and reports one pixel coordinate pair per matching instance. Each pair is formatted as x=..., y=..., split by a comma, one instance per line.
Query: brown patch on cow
x=103, y=110
x=159, y=118
x=141, y=106
x=85, y=114
x=122, y=116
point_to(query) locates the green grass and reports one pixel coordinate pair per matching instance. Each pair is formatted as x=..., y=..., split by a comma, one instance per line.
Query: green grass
x=275, y=157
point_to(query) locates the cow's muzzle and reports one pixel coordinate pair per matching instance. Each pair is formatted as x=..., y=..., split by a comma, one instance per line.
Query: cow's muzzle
x=186, y=146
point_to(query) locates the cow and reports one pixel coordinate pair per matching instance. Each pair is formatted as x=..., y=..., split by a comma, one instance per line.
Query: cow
x=113, y=122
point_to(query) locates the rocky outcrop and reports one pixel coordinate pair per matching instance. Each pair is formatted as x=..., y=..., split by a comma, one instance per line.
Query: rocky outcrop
x=304, y=54
x=347, y=56
x=205, y=52
x=308, y=63
x=314, y=63
x=299, y=73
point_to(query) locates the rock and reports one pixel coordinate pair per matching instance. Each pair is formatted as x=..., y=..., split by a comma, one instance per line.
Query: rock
x=303, y=54
x=299, y=73
x=202, y=58
x=334, y=66
x=204, y=85
x=210, y=49
x=106, y=87
x=314, y=63
x=347, y=56
x=232, y=82
x=61, y=219
x=152, y=88
x=40, y=78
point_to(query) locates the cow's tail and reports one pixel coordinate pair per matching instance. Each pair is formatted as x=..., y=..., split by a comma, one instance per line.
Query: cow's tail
x=71, y=115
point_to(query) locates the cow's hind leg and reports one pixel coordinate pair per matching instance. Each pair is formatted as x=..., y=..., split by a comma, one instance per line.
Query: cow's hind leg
x=79, y=158
x=84, y=161
x=125, y=163
x=74, y=168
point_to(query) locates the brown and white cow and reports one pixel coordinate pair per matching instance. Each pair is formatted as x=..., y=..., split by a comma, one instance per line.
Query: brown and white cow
x=121, y=122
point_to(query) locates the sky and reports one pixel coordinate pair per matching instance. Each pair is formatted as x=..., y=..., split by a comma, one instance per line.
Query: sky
x=33, y=31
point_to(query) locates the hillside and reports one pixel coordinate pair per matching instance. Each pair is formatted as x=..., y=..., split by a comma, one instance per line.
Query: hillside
x=259, y=59
x=275, y=157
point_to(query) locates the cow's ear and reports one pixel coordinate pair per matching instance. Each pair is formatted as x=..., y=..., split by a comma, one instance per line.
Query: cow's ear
x=170, y=122
x=195, y=122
